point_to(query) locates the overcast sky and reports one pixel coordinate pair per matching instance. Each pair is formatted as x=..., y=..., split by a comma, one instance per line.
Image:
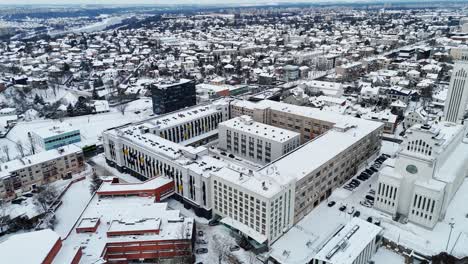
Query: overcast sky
x=136, y=2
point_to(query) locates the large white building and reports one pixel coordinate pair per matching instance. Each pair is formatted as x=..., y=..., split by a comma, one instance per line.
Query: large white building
x=457, y=97
x=256, y=141
x=426, y=173
x=327, y=237
x=260, y=204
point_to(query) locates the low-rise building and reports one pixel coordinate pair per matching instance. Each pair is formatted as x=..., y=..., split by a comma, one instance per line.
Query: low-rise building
x=128, y=229
x=42, y=247
x=54, y=137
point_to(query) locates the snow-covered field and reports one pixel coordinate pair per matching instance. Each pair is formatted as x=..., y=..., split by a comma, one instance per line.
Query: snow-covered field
x=73, y=203
x=91, y=127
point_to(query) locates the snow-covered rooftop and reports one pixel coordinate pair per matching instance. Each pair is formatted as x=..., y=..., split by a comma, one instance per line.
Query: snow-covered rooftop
x=247, y=125
x=13, y=165
x=46, y=132
x=31, y=247
x=118, y=214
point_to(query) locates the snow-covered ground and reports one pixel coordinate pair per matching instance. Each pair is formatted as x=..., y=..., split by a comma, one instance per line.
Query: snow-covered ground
x=422, y=240
x=91, y=127
x=213, y=235
x=73, y=203
x=386, y=256
x=389, y=148
x=101, y=164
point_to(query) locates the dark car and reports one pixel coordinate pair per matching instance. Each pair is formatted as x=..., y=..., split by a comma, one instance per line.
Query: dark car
x=370, y=197
x=374, y=169
x=201, y=250
x=213, y=222
x=201, y=242
x=18, y=201
x=369, y=219
x=231, y=156
x=362, y=178
x=223, y=153
x=234, y=248
x=357, y=214
x=332, y=203
x=342, y=208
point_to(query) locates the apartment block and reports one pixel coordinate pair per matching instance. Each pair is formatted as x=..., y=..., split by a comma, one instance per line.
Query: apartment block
x=256, y=141
x=25, y=174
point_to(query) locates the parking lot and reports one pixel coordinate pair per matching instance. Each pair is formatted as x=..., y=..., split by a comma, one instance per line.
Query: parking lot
x=358, y=192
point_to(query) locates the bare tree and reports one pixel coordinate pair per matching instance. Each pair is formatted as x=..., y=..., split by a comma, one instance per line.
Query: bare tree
x=4, y=215
x=6, y=150
x=30, y=145
x=46, y=195
x=220, y=248
x=96, y=182
x=20, y=147
x=121, y=107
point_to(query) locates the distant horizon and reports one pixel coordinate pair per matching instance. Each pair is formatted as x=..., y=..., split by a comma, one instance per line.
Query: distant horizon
x=204, y=2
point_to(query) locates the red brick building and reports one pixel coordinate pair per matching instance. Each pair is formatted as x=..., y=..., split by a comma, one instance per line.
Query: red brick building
x=160, y=188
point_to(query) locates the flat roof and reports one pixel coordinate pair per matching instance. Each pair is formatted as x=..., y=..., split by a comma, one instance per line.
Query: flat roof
x=316, y=153
x=346, y=245
x=31, y=247
x=150, y=184
x=13, y=165
x=248, y=126
x=186, y=115
x=126, y=210
x=55, y=130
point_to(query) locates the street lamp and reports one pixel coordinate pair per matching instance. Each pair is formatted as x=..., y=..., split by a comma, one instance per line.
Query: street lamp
x=451, y=224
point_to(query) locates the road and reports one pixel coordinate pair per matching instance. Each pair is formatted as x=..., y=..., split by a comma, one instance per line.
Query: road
x=100, y=170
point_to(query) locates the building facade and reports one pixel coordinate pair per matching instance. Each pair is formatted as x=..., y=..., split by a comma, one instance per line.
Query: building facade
x=25, y=174
x=256, y=141
x=173, y=96
x=278, y=194
x=457, y=97
x=426, y=173
x=157, y=148
x=55, y=137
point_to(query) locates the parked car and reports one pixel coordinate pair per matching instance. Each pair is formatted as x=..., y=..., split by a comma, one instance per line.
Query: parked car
x=234, y=248
x=362, y=178
x=365, y=204
x=369, y=219
x=374, y=169
x=356, y=214
x=351, y=210
x=201, y=250
x=200, y=233
x=332, y=203
x=213, y=222
x=370, y=197
x=342, y=208
x=201, y=242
